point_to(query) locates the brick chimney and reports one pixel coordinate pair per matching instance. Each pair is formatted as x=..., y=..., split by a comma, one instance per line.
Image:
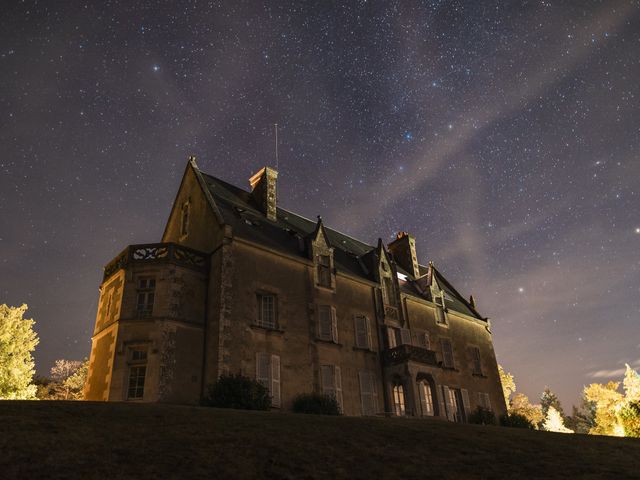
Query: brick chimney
x=263, y=190
x=403, y=249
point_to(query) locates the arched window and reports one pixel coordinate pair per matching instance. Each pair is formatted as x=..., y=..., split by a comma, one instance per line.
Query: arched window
x=426, y=398
x=398, y=399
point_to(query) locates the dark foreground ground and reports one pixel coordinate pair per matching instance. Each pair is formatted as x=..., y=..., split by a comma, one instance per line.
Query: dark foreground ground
x=84, y=440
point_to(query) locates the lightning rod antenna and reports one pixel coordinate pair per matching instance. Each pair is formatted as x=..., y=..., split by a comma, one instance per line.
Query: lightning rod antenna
x=276, y=128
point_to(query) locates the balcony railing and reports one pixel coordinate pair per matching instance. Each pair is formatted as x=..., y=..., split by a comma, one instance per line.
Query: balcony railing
x=405, y=353
x=157, y=253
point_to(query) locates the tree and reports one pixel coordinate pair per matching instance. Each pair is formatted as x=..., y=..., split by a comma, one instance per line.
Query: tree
x=629, y=418
x=631, y=384
x=553, y=421
x=508, y=384
x=75, y=382
x=62, y=371
x=607, y=400
x=549, y=399
x=520, y=405
x=583, y=417
x=67, y=380
x=17, y=341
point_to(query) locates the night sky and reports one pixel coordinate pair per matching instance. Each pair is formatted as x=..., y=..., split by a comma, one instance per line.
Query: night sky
x=505, y=138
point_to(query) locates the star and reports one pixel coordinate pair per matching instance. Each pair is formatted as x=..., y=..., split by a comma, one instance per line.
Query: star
x=637, y=229
x=156, y=68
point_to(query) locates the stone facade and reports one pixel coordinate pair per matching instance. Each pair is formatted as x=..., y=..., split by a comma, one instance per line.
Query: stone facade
x=239, y=285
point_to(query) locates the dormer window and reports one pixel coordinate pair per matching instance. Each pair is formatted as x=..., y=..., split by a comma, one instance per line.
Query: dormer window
x=324, y=271
x=441, y=309
x=389, y=292
x=184, y=220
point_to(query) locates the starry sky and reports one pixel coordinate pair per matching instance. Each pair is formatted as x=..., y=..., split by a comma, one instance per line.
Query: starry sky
x=505, y=136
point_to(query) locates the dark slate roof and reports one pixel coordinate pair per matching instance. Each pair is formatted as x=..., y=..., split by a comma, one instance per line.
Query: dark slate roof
x=290, y=232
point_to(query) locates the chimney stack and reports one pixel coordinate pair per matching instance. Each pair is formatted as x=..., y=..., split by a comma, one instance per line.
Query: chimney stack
x=263, y=190
x=403, y=249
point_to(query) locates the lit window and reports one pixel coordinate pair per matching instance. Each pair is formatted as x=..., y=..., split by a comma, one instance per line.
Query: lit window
x=363, y=332
x=398, y=400
x=324, y=271
x=426, y=398
x=327, y=323
x=266, y=311
x=331, y=379
x=268, y=374
x=146, y=296
x=447, y=353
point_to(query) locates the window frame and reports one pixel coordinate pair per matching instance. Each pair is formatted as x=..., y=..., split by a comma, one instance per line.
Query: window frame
x=327, y=327
x=447, y=353
x=362, y=332
x=261, y=298
x=145, y=295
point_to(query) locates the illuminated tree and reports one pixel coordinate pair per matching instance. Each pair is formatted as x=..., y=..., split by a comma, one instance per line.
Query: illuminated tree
x=508, y=384
x=17, y=341
x=629, y=418
x=67, y=380
x=631, y=385
x=553, y=421
x=549, y=399
x=521, y=405
x=607, y=400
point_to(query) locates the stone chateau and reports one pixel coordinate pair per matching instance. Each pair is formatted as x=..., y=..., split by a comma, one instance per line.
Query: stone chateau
x=240, y=285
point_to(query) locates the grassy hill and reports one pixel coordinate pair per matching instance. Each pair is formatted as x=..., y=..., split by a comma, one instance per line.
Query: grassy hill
x=56, y=440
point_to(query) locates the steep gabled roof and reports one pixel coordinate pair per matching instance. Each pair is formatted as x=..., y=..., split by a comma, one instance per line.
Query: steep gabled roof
x=289, y=232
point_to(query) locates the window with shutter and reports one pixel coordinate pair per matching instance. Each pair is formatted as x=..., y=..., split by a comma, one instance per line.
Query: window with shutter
x=363, y=333
x=275, y=381
x=475, y=356
x=331, y=379
x=263, y=369
x=337, y=376
x=449, y=403
x=465, y=402
x=447, y=353
x=334, y=326
x=325, y=322
x=426, y=398
x=368, y=394
x=324, y=270
x=483, y=400
x=441, y=309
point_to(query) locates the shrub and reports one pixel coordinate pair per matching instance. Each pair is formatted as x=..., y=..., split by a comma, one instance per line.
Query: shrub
x=515, y=420
x=316, y=403
x=482, y=416
x=237, y=391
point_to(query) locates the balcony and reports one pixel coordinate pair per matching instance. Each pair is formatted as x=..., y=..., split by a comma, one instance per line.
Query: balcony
x=406, y=353
x=157, y=253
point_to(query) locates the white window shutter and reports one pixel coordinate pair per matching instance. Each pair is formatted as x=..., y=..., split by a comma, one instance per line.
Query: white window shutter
x=326, y=380
x=374, y=392
x=334, y=325
x=275, y=380
x=337, y=376
x=423, y=399
x=465, y=402
x=449, y=405
x=405, y=336
x=367, y=324
x=365, y=393
x=263, y=369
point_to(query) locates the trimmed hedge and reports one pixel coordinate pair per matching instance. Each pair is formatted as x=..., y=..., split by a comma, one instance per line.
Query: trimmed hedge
x=316, y=403
x=237, y=391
